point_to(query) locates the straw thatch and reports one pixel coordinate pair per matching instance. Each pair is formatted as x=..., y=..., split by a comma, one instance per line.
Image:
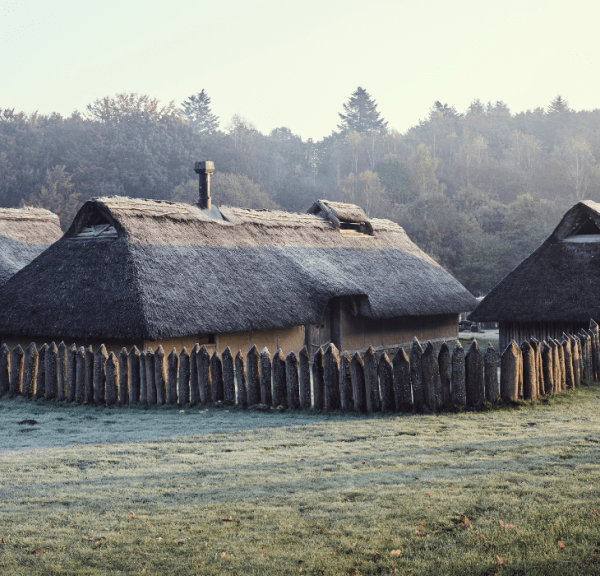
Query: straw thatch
x=169, y=270
x=24, y=234
x=558, y=282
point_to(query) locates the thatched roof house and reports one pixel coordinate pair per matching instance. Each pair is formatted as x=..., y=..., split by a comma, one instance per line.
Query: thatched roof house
x=556, y=288
x=24, y=234
x=139, y=271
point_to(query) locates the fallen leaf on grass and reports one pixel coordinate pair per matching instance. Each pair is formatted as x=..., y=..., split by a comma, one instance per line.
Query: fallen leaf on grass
x=500, y=561
x=225, y=519
x=593, y=512
x=182, y=541
x=377, y=554
x=132, y=517
x=339, y=532
x=39, y=552
x=395, y=552
x=466, y=523
x=223, y=554
x=561, y=545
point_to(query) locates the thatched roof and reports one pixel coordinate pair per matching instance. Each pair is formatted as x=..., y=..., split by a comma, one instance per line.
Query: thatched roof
x=153, y=269
x=24, y=234
x=559, y=282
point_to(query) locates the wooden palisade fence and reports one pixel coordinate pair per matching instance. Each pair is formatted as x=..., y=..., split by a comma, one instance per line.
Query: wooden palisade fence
x=418, y=381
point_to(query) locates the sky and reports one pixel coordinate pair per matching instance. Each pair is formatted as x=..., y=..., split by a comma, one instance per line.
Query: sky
x=295, y=64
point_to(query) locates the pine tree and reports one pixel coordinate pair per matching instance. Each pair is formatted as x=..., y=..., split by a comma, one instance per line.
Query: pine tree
x=360, y=114
x=558, y=105
x=196, y=109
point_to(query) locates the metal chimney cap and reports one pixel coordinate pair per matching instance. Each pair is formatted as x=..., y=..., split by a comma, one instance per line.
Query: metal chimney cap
x=204, y=167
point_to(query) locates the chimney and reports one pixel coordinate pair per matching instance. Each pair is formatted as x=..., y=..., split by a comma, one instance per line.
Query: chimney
x=204, y=169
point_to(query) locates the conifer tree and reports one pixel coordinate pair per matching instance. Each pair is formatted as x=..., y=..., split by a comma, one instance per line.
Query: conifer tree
x=360, y=114
x=558, y=105
x=196, y=109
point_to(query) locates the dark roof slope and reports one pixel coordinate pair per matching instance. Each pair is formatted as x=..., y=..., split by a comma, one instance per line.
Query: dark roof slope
x=170, y=270
x=559, y=282
x=24, y=234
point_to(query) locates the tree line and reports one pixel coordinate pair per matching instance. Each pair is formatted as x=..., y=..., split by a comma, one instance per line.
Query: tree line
x=478, y=190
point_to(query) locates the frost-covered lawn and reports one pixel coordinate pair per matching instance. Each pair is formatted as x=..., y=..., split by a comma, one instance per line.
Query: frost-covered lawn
x=107, y=491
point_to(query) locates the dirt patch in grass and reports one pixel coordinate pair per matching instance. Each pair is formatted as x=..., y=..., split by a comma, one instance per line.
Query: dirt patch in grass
x=510, y=491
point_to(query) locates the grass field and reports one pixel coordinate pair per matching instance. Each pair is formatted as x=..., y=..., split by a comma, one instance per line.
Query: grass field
x=509, y=491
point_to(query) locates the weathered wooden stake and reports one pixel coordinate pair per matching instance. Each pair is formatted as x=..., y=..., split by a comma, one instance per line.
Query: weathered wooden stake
x=51, y=361
x=253, y=374
x=386, y=381
x=194, y=388
x=71, y=372
x=431, y=377
x=372, y=381
x=402, y=389
x=279, y=381
x=62, y=372
x=509, y=373
x=40, y=383
x=445, y=375
x=529, y=372
x=293, y=384
x=346, y=398
x=216, y=373
x=228, y=378
x=474, y=377
x=304, y=373
x=359, y=391
x=535, y=346
x=204, y=376
x=160, y=376
x=80, y=376
x=266, y=390
x=547, y=367
x=556, y=365
x=30, y=369
x=459, y=386
x=123, y=376
x=561, y=360
x=331, y=378
x=576, y=359
x=16, y=371
x=172, y=369
x=240, y=376
x=112, y=380
x=150, y=378
x=416, y=375
x=184, y=377
x=317, y=380
x=143, y=382
x=4, y=370
x=567, y=351
x=99, y=375
x=134, y=375
x=490, y=370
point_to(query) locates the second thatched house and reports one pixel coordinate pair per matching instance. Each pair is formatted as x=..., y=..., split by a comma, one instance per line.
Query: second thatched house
x=554, y=290
x=145, y=272
x=24, y=234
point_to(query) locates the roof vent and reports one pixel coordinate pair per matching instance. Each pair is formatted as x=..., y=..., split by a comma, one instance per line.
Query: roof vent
x=204, y=169
x=349, y=219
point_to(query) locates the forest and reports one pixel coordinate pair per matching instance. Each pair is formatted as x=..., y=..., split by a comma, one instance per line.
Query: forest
x=478, y=190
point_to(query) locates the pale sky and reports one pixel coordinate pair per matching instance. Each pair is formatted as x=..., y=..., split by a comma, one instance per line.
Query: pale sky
x=294, y=64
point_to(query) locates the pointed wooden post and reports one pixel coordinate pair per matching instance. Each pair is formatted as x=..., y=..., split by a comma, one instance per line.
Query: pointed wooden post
x=509, y=373
x=529, y=372
x=134, y=375
x=204, y=376
x=547, y=368
x=445, y=378
x=520, y=373
x=100, y=375
x=584, y=356
x=459, y=386
x=576, y=359
x=372, y=380
x=240, y=376
x=346, y=397
x=150, y=378
x=386, y=381
x=172, y=369
x=185, y=375
x=569, y=376
x=51, y=362
x=431, y=375
x=292, y=381
x=40, y=383
x=562, y=371
x=194, y=387
x=160, y=376
x=4, y=370
x=216, y=373
x=30, y=370
x=535, y=347
x=80, y=376
x=541, y=385
x=402, y=388
x=304, y=374
x=590, y=348
x=143, y=383
x=62, y=372
x=331, y=378
x=490, y=370
x=556, y=364
x=317, y=380
x=16, y=371
x=416, y=375
x=357, y=368
x=228, y=378
x=123, y=362
x=474, y=377
x=253, y=374
x=112, y=380
x=266, y=391
x=594, y=331
x=279, y=381
x=71, y=372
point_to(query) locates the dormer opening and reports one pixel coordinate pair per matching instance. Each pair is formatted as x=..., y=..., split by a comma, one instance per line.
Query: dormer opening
x=97, y=226
x=585, y=230
x=348, y=219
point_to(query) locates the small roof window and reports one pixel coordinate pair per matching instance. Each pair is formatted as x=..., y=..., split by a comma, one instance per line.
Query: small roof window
x=97, y=228
x=585, y=230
